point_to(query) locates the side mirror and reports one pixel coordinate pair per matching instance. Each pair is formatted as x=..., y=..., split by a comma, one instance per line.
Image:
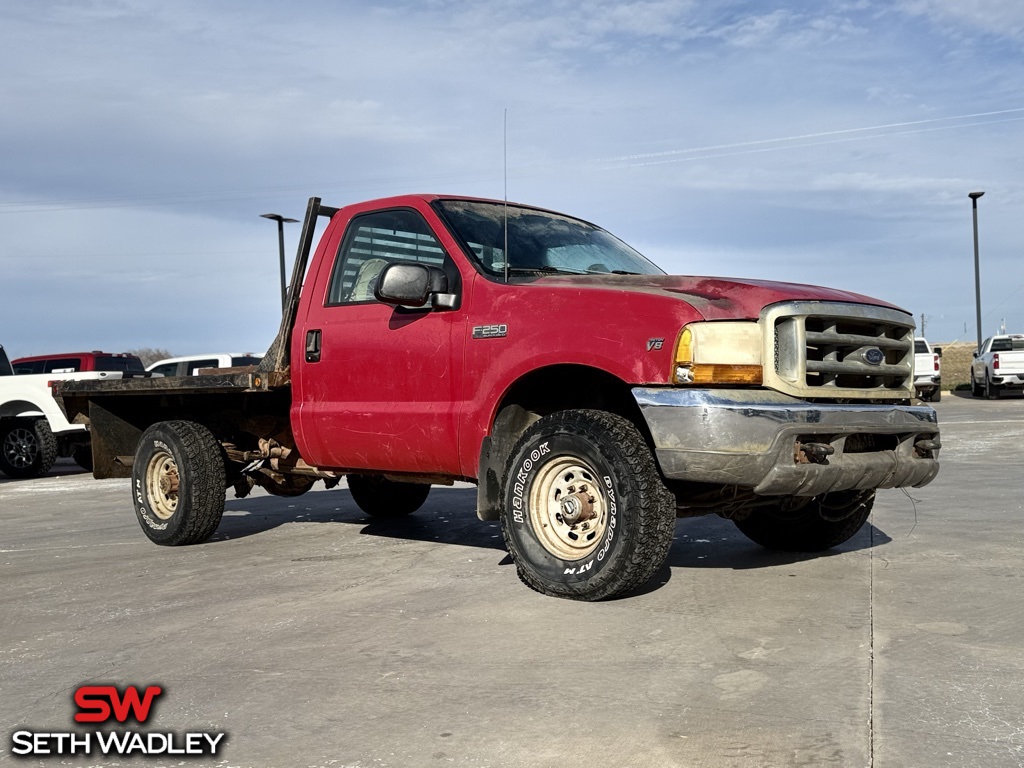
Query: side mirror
x=409, y=284
x=974, y=353
x=937, y=351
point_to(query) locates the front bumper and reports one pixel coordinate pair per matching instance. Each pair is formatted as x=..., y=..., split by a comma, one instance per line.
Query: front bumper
x=748, y=438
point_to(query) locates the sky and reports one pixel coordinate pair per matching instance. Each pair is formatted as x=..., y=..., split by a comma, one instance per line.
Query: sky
x=831, y=142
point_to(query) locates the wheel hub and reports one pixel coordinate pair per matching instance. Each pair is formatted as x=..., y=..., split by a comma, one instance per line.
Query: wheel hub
x=162, y=484
x=578, y=508
x=567, y=509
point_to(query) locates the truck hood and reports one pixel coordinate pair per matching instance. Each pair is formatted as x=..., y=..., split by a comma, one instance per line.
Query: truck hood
x=716, y=298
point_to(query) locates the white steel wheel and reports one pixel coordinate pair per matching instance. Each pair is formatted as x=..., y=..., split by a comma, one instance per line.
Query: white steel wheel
x=568, y=508
x=162, y=484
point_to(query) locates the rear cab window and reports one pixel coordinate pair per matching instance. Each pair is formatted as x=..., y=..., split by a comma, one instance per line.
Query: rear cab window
x=62, y=365
x=125, y=363
x=167, y=369
x=194, y=365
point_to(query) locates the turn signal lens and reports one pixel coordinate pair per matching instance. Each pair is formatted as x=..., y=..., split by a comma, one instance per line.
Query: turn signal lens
x=684, y=350
x=726, y=374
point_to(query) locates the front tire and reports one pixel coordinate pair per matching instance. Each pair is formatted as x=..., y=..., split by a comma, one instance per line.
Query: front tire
x=586, y=515
x=809, y=525
x=178, y=483
x=27, y=449
x=379, y=497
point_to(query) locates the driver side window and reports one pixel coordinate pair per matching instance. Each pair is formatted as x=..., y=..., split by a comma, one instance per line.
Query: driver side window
x=373, y=241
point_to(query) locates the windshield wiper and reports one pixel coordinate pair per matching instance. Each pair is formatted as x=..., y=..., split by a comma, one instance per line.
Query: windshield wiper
x=548, y=270
x=541, y=270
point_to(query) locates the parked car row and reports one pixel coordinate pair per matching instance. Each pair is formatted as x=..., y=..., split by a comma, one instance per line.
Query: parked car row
x=34, y=431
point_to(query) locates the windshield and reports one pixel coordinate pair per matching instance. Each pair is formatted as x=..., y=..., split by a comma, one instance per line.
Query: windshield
x=920, y=347
x=538, y=241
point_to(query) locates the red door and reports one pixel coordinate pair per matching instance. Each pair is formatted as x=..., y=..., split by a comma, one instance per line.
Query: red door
x=385, y=392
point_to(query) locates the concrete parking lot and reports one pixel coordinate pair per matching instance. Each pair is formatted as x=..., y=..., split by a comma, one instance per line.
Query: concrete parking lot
x=315, y=637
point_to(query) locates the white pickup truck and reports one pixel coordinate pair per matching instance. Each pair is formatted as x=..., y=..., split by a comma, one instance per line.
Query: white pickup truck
x=33, y=428
x=927, y=370
x=998, y=365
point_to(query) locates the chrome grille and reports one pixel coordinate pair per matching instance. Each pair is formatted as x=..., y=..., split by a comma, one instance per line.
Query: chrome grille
x=833, y=350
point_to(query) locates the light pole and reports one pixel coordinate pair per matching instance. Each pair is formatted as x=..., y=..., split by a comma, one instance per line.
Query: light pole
x=977, y=269
x=280, y=246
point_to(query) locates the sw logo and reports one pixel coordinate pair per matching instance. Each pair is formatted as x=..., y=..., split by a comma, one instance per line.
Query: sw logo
x=106, y=703
x=98, y=703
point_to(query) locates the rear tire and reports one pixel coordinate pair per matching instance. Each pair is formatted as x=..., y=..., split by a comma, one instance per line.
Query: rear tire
x=27, y=448
x=936, y=395
x=379, y=497
x=991, y=390
x=585, y=513
x=82, y=456
x=178, y=483
x=811, y=525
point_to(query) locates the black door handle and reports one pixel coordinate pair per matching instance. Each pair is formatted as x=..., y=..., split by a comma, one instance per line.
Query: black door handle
x=313, y=346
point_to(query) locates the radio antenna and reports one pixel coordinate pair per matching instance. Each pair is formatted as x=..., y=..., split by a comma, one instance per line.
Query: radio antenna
x=504, y=163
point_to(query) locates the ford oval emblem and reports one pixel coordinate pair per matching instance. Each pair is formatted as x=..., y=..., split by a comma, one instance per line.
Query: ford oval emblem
x=874, y=356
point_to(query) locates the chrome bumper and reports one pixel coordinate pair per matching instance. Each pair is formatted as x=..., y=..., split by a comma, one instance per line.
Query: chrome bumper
x=749, y=438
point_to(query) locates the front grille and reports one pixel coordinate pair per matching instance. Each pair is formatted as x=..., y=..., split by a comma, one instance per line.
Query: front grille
x=835, y=350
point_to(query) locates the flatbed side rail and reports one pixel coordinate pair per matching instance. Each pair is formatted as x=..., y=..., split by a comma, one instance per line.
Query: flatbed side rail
x=250, y=381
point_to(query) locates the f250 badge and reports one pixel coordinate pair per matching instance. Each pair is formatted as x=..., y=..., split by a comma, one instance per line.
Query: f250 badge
x=490, y=331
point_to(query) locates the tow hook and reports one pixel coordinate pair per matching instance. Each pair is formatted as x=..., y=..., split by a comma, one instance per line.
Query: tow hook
x=925, y=449
x=813, y=453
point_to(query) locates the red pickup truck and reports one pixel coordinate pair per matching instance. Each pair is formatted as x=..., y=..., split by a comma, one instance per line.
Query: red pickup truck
x=593, y=398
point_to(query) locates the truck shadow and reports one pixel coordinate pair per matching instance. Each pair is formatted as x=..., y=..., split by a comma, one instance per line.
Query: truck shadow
x=61, y=468
x=448, y=517
x=965, y=394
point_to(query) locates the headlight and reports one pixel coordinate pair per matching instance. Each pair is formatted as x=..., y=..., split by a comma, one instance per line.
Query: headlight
x=718, y=353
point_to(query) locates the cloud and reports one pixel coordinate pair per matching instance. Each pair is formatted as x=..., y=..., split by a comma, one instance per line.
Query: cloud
x=141, y=141
x=1001, y=18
